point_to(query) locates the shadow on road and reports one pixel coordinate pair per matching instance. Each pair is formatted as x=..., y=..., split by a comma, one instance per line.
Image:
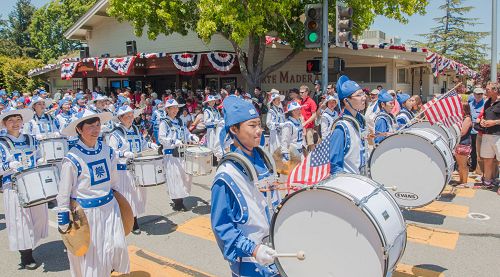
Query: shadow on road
x=156, y=225
x=197, y=205
x=423, y=217
x=136, y=273
x=53, y=256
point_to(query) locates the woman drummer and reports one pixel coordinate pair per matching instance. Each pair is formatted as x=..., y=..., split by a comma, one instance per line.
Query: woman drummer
x=329, y=116
x=240, y=213
x=275, y=120
x=64, y=118
x=405, y=115
x=173, y=135
x=88, y=176
x=127, y=141
x=348, y=143
x=42, y=125
x=25, y=226
x=211, y=118
x=292, y=133
x=385, y=122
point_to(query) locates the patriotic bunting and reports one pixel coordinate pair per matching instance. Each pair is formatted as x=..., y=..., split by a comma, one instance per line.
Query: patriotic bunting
x=221, y=61
x=100, y=64
x=121, y=66
x=152, y=55
x=187, y=63
x=68, y=70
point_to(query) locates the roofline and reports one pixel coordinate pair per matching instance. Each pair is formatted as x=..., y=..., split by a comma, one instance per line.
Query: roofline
x=82, y=20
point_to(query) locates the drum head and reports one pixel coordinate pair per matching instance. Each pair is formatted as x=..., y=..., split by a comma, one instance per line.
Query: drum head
x=413, y=165
x=333, y=232
x=439, y=128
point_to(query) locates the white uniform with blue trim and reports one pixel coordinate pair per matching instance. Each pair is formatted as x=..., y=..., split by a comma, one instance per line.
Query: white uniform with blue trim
x=240, y=213
x=64, y=119
x=171, y=133
x=43, y=126
x=211, y=119
x=384, y=123
x=404, y=116
x=25, y=226
x=88, y=176
x=275, y=120
x=292, y=134
x=122, y=140
x=328, y=117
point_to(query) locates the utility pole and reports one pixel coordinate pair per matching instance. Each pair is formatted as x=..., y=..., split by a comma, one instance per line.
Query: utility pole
x=494, y=52
x=324, y=48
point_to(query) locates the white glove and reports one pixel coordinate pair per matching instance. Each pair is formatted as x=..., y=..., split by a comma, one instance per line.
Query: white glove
x=265, y=255
x=281, y=124
x=40, y=137
x=15, y=165
x=194, y=138
x=56, y=134
x=154, y=146
x=178, y=142
x=128, y=155
x=41, y=161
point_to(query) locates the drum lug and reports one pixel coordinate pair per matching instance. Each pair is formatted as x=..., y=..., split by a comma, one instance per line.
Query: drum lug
x=363, y=200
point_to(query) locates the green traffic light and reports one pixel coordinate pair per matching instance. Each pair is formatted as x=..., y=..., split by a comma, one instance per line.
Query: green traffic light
x=313, y=37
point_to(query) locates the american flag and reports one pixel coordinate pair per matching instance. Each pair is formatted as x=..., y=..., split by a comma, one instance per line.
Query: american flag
x=447, y=110
x=314, y=168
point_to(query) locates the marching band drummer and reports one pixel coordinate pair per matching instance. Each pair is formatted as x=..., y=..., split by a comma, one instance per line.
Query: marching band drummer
x=127, y=141
x=405, y=115
x=42, y=125
x=159, y=114
x=240, y=213
x=275, y=120
x=329, y=116
x=172, y=134
x=88, y=176
x=211, y=118
x=384, y=121
x=292, y=133
x=79, y=103
x=347, y=143
x=99, y=105
x=25, y=226
x=64, y=118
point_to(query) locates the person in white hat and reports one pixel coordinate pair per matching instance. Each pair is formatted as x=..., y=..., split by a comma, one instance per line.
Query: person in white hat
x=127, y=141
x=172, y=134
x=275, y=120
x=64, y=118
x=25, y=226
x=329, y=116
x=88, y=176
x=42, y=125
x=99, y=104
x=159, y=114
x=211, y=119
x=293, y=132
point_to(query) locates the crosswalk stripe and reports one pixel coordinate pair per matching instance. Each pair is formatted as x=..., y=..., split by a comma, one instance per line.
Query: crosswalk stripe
x=445, y=209
x=432, y=236
x=144, y=263
x=459, y=192
x=403, y=270
x=199, y=227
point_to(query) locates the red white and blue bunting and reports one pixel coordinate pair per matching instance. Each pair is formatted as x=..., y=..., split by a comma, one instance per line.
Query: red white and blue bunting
x=152, y=55
x=187, y=63
x=100, y=64
x=440, y=64
x=68, y=70
x=221, y=61
x=121, y=66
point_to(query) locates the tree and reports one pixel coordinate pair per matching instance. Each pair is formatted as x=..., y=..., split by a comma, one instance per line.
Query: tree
x=49, y=24
x=246, y=23
x=451, y=39
x=14, y=72
x=15, y=31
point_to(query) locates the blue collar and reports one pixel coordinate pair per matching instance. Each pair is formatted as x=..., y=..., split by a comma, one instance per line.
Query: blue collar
x=330, y=112
x=256, y=160
x=295, y=122
x=89, y=151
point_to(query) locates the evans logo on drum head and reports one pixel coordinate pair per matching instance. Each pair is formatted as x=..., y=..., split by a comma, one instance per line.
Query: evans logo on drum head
x=48, y=180
x=406, y=195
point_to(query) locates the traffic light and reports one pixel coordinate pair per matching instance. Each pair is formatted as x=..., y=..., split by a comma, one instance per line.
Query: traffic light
x=313, y=66
x=343, y=31
x=313, y=25
x=338, y=65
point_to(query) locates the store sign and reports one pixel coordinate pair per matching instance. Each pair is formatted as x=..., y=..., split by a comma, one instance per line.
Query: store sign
x=287, y=77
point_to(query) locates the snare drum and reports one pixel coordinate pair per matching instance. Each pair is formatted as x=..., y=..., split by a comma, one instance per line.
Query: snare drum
x=417, y=162
x=439, y=128
x=339, y=223
x=148, y=171
x=54, y=149
x=37, y=185
x=198, y=161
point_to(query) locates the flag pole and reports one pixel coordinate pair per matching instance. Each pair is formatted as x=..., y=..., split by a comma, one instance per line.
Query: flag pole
x=415, y=118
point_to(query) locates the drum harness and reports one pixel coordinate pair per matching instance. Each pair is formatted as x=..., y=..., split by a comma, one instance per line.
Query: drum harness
x=24, y=158
x=176, y=153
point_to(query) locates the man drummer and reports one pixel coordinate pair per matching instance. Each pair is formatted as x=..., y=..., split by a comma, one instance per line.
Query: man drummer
x=158, y=115
x=406, y=103
x=348, y=142
x=275, y=119
x=292, y=133
x=385, y=122
x=25, y=226
x=127, y=141
x=88, y=177
x=173, y=134
x=42, y=125
x=240, y=214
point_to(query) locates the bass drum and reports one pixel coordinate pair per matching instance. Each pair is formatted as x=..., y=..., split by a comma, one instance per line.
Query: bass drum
x=417, y=162
x=457, y=132
x=447, y=134
x=339, y=223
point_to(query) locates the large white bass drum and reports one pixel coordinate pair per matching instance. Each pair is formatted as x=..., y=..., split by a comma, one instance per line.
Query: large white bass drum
x=347, y=225
x=447, y=134
x=416, y=163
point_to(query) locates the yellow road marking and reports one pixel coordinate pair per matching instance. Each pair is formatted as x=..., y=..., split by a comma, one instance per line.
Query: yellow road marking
x=147, y=264
x=445, y=209
x=460, y=192
x=431, y=236
x=199, y=227
x=403, y=270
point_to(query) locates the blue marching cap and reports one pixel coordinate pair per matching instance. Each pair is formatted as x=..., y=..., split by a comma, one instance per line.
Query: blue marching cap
x=16, y=93
x=402, y=97
x=348, y=88
x=64, y=101
x=384, y=96
x=236, y=110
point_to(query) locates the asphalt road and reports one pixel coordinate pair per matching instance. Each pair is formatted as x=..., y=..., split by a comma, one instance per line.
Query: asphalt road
x=444, y=239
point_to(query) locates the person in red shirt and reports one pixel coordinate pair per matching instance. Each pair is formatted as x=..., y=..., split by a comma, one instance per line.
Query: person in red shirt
x=309, y=115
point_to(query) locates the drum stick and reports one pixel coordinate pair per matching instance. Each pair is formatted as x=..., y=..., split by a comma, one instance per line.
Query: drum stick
x=300, y=255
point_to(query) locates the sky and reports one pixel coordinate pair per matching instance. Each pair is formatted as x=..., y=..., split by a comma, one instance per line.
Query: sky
x=417, y=24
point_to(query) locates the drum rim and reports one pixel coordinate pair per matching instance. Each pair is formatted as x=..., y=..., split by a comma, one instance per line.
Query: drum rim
x=147, y=158
x=446, y=130
x=374, y=222
x=369, y=171
x=33, y=168
x=159, y=184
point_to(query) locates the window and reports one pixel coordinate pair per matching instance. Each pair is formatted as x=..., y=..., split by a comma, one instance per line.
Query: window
x=403, y=77
x=367, y=74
